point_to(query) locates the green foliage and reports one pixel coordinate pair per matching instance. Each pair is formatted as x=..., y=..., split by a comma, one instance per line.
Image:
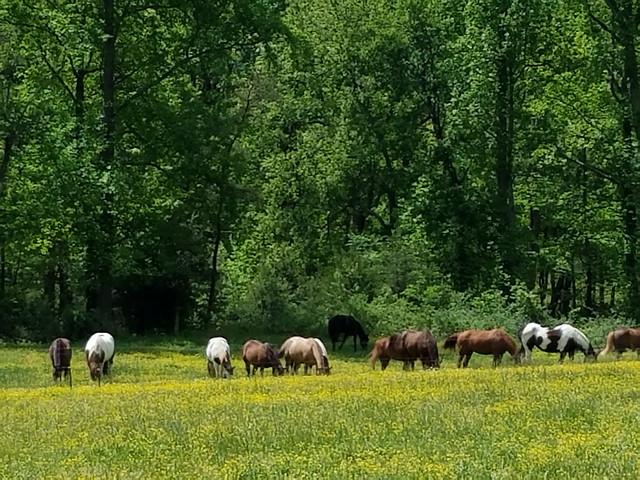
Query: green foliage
x=411, y=162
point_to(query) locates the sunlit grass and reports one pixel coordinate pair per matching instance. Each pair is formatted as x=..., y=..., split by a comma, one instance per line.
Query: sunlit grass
x=160, y=416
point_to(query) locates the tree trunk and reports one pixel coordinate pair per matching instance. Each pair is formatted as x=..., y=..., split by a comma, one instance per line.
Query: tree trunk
x=103, y=249
x=505, y=205
x=213, y=280
x=3, y=272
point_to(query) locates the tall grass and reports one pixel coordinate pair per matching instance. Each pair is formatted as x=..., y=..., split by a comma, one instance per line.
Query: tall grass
x=160, y=416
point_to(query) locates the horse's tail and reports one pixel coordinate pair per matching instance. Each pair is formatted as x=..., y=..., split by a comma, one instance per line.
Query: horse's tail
x=451, y=341
x=609, y=344
x=373, y=357
x=57, y=353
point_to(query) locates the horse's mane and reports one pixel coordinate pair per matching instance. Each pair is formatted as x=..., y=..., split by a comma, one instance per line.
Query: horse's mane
x=451, y=341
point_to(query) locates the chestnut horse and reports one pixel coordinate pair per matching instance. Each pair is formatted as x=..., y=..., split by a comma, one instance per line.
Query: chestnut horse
x=99, y=352
x=622, y=339
x=485, y=342
x=407, y=347
x=60, y=355
x=303, y=351
x=261, y=356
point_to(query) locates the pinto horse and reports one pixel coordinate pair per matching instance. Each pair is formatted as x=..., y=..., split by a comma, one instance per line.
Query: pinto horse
x=60, y=355
x=485, y=342
x=407, y=347
x=219, y=358
x=261, y=356
x=303, y=351
x=563, y=339
x=349, y=327
x=622, y=339
x=99, y=352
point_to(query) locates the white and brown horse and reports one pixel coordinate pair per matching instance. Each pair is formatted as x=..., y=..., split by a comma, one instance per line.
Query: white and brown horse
x=99, y=352
x=303, y=351
x=219, y=358
x=563, y=339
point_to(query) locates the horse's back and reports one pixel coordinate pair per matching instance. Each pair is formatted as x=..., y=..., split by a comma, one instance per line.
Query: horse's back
x=217, y=347
x=101, y=341
x=60, y=352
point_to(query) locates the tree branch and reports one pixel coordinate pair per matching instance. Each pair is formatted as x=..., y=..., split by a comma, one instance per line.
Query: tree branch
x=604, y=26
x=157, y=81
x=598, y=171
x=56, y=74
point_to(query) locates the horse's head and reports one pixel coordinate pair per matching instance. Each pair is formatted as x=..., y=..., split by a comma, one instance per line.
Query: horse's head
x=278, y=370
x=591, y=354
x=323, y=371
x=364, y=341
x=95, y=361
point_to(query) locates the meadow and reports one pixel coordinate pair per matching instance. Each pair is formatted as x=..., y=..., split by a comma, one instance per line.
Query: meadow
x=160, y=416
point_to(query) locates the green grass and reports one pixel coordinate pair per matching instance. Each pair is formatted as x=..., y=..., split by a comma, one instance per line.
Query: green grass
x=161, y=417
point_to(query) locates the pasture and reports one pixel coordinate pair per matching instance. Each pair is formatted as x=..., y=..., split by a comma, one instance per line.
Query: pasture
x=161, y=416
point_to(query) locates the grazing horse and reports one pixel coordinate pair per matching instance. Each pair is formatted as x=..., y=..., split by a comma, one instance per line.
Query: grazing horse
x=99, y=352
x=325, y=357
x=485, y=342
x=349, y=327
x=60, y=355
x=303, y=351
x=219, y=358
x=622, y=339
x=407, y=347
x=261, y=356
x=563, y=339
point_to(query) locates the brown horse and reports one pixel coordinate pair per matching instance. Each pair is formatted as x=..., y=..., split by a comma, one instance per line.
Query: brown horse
x=261, y=356
x=485, y=342
x=303, y=351
x=622, y=339
x=407, y=347
x=60, y=355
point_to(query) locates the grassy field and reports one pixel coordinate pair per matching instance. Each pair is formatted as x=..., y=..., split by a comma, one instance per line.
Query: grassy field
x=161, y=417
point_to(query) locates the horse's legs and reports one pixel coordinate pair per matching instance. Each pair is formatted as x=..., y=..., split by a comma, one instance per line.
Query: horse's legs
x=247, y=365
x=354, y=344
x=460, y=357
x=497, y=359
x=344, y=339
x=571, y=355
x=562, y=355
x=466, y=360
x=384, y=363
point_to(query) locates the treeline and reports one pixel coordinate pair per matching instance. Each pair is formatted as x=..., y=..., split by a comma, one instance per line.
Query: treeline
x=265, y=164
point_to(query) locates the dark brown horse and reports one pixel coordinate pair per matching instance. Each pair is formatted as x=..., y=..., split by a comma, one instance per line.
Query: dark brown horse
x=261, y=356
x=485, y=342
x=622, y=339
x=60, y=355
x=407, y=347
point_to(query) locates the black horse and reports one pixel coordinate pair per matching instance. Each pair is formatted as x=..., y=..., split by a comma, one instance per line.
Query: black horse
x=348, y=326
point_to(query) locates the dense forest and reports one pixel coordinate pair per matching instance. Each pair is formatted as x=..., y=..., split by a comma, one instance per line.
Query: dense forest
x=170, y=165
